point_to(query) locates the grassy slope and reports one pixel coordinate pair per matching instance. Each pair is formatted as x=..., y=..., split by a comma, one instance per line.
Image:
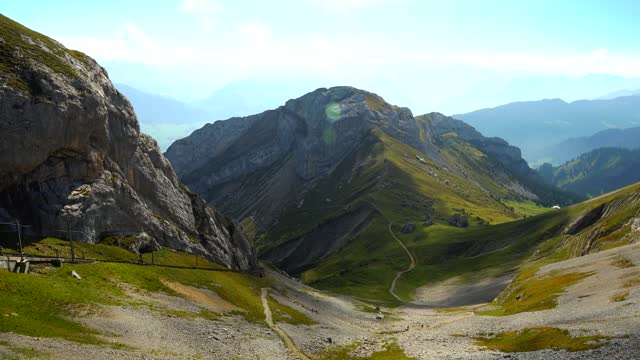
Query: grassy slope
x=596, y=172
x=44, y=303
x=366, y=266
x=16, y=50
x=531, y=292
x=537, y=338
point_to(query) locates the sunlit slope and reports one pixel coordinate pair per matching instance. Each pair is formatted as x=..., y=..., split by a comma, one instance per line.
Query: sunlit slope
x=366, y=266
x=395, y=182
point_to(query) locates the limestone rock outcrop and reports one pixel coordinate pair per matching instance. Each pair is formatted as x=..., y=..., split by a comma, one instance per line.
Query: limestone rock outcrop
x=71, y=152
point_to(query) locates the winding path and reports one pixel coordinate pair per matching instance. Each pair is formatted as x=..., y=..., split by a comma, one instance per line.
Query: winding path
x=283, y=335
x=412, y=264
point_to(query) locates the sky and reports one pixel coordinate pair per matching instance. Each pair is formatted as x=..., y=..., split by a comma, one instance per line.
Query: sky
x=447, y=56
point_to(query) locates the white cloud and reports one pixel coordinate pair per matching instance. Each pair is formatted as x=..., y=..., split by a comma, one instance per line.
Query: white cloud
x=206, y=11
x=253, y=30
x=346, y=4
x=599, y=61
x=251, y=50
x=201, y=6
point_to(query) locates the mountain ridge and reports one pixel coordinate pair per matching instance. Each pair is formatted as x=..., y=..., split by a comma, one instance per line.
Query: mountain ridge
x=73, y=157
x=596, y=172
x=533, y=125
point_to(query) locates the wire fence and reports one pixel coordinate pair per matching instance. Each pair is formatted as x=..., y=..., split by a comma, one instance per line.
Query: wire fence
x=11, y=258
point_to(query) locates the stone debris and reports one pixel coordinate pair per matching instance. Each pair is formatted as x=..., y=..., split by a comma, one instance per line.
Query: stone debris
x=75, y=275
x=408, y=228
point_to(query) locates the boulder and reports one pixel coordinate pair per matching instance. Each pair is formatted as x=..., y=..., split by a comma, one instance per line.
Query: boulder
x=458, y=220
x=408, y=228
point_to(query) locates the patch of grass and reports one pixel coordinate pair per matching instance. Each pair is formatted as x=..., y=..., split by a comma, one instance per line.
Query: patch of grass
x=205, y=314
x=20, y=46
x=392, y=351
x=532, y=293
x=44, y=304
x=538, y=338
x=166, y=256
x=58, y=247
x=619, y=297
x=453, y=309
x=22, y=352
x=527, y=208
x=622, y=262
x=631, y=280
x=287, y=314
x=119, y=240
x=375, y=102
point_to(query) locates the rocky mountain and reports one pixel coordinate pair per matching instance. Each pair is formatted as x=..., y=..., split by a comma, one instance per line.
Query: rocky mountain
x=596, y=172
x=71, y=152
x=313, y=176
x=571, y=148
x=534, y=126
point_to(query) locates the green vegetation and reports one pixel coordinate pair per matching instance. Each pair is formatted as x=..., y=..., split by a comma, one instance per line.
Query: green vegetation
x=287, y=314
x=58, y=247
x=596, y=172
x=16, y=352
x=44, y=302
x=166, y=256
x=631, y=280
x=526, y=208
x=622, y=262
x=365, y=267
x=391, y=352
x=538, y=338
x=375, y=102
x=120, y=241
x=619, y=297
x=21, y=45
x=535, y=293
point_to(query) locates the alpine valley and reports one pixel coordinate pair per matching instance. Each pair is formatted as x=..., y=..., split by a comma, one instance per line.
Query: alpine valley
x=336, y=226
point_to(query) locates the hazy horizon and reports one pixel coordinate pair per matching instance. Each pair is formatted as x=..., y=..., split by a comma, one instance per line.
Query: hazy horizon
x=451, y=57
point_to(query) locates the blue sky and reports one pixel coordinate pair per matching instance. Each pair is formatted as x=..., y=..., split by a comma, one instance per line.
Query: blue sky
x=448, y=56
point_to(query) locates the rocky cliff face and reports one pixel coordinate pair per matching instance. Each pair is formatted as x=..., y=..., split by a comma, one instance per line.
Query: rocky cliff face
x=499, y=149
x=259, y=164
x=71, y=151
x=295, y=144
x=305, y=175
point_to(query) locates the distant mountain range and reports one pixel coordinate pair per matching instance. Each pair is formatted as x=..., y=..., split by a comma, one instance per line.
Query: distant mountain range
x=167, y=119
x=164, y=118
x=596, y=172
x=619, y=93
x=535, y=125
x=572, y=148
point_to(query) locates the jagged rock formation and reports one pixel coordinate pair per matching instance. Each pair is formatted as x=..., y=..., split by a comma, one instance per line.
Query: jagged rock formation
x=302, y=141
x=71, y=151
x=458, y=220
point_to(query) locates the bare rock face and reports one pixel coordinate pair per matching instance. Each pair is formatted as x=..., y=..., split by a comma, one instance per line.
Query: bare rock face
x=408, y=228
x=251, y=165
x=458, y=220
x=71, y=152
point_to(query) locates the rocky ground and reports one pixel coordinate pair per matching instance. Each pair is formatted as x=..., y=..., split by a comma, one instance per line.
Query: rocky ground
x=152, y=330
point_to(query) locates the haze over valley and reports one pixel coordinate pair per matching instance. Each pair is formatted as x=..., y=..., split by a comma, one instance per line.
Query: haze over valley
x=207, y=179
